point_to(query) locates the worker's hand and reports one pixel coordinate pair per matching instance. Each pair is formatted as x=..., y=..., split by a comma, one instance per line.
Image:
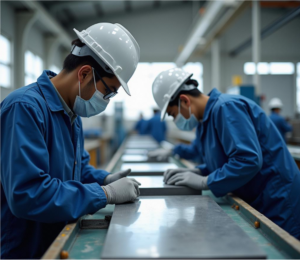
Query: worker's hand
x=190, y=179
x=160, y=154
x=122, y=190
x=169, y=173
x=116, y=176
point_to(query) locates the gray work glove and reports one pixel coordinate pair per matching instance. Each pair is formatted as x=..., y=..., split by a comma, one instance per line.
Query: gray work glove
x=169, y=173
x=122, y=190
x=160, y=154
x=189, y=179
x=116, y=176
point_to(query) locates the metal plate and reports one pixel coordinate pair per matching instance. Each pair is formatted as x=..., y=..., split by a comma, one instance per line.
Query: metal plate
x=134, y=158
x=176, y=227
x=154, y=186
x=136, y=151
x=146, y=145
x=148, y=168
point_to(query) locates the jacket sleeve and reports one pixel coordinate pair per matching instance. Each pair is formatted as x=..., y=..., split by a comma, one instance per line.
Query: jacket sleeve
x=88, y=173
x=30, y=191
x=187, y=151
x=238, y=137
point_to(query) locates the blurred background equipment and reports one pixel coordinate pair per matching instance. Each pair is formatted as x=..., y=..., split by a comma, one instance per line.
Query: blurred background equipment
x=255, y=42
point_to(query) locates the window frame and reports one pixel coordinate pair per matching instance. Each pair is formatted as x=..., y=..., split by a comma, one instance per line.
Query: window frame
x=31, y=75
x=11, y=64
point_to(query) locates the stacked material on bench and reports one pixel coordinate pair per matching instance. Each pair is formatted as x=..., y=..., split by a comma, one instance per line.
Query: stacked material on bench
x=154, y=186
x=148, y=169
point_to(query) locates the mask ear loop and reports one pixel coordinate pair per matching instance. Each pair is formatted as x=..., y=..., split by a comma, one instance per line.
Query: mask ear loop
x=94, y=79
x=79, y=88
x=190, y=110
x=179, y=105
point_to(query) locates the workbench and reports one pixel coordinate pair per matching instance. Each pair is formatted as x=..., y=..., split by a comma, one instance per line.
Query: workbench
x=86, y=238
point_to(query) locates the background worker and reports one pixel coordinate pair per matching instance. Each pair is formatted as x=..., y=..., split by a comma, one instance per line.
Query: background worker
x=156, y=128
x=141, y=126
x=45, y=177
x=282, y=125
x=184, y=151
x=242, y=149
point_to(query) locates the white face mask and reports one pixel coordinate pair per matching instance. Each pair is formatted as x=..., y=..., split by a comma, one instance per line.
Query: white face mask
x=95, y=105
x=183, y=123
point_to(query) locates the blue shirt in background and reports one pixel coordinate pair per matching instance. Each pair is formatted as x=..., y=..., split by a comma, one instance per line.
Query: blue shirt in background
x=282, y=125
x=157, y=128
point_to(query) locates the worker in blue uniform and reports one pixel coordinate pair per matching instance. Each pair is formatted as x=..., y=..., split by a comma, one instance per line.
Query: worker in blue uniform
x=282, y=125
x=184, y=151
x=156, y=128
x=141, y=126
x=46, y=179
x=242, y=149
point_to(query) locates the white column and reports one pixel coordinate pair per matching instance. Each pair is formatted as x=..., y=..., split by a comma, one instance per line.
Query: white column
x=215, y=61
x=52, y=46
x=24, y=22
x=256, y=43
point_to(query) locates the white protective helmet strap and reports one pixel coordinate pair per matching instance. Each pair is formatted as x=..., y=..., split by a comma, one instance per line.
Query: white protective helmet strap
x=85, y=51
x=184, y=87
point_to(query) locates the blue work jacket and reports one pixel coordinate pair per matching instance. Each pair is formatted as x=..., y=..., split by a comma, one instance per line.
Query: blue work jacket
x=141, y=127
x=190, y=151
x=245, y=154
x=45, y=177
x=282, y=125
x=156, y=128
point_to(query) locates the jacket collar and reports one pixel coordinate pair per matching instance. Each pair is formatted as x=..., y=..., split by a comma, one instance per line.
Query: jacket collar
x=213, y=97
x=49, y=92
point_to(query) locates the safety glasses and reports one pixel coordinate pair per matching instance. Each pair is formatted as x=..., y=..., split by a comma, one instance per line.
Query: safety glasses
x=110, y=93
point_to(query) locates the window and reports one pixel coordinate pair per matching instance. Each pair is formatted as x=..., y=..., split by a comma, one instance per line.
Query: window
x=273, y=68
x=298, y=87
x=140, y=85
x=55, y=69
x=5, y=62
x=33, y=67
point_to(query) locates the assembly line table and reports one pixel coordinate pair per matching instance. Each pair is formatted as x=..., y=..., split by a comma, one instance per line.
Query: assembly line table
x=89, y=237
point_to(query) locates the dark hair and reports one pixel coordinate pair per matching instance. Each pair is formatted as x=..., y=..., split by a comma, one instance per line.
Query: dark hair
x=275, y=108
x=194, y=92
x=71, y=62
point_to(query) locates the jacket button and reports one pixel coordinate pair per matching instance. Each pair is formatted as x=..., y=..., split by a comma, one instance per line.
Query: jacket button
x=75, y=162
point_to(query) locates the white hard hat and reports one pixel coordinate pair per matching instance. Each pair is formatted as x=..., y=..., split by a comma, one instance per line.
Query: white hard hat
x=115, y=46
x=166, y=85
x=275, y=103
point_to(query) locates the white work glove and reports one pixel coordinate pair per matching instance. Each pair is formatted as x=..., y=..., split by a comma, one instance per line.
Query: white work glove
x=160, y=154
x=122, y=190
x=186, y=177
x=116, y=176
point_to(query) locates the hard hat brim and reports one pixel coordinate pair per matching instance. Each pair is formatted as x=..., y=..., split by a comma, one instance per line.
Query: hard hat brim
x=163, y=111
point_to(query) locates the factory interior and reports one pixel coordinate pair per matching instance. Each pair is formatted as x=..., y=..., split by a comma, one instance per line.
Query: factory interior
x=205, y=114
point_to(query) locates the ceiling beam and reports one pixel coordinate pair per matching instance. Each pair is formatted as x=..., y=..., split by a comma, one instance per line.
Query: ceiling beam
x=267, y=31
x=136, y=11
x=98, y=8
x=128, y=7
x=59, y=6
x=212, y=11
x=49, y=22
x=222, y=25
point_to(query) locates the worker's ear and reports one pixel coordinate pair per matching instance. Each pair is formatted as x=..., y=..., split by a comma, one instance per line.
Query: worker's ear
x=185, y=101
x=83, y=73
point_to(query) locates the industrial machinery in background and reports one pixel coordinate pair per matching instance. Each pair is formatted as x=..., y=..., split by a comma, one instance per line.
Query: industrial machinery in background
x=119, y=128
